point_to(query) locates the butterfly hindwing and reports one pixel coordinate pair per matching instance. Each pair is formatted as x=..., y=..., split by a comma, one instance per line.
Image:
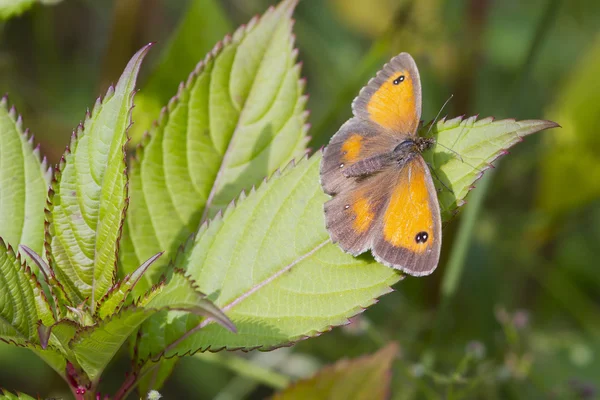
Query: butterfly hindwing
x=392, y=99
x=353, y=216
x=410, y=235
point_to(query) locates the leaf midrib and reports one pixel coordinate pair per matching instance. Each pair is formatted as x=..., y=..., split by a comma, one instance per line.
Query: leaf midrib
x=245, y=295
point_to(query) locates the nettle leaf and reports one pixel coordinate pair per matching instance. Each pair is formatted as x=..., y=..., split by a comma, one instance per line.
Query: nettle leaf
x=95, y=346
x=366, y=377
x=181, y=293
x=465, y=148
x=239, y=117
x=88, y=196
x=24, y=181
x=22, y=300
x=116, y=296
x=269, y=264
x=204, y=23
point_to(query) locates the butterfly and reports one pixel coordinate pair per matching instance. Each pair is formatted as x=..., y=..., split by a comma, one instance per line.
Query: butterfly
x=383, y=196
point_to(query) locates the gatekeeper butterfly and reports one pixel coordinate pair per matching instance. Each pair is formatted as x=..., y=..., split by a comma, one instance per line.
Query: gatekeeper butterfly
x=383, y=194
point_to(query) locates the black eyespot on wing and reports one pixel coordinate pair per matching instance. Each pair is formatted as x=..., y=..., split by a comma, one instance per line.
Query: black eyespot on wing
x=421, y=237
x=398, y=80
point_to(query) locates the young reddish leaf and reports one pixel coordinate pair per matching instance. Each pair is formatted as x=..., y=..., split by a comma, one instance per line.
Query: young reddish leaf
x=116, y=296
x=364, y=378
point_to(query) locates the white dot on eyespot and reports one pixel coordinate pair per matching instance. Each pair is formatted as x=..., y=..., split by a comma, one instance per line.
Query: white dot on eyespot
x=342, y=165
x=347, y=206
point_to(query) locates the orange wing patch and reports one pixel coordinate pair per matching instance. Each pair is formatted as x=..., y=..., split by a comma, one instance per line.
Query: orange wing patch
x=363, y=214
x=408, y=214
x=393, y=104
x=351, y=148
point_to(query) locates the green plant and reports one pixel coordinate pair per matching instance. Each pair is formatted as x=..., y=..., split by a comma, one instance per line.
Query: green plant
x=259, y=263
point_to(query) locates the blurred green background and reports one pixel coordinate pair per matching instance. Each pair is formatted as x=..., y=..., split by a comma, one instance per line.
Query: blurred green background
x=513, y=311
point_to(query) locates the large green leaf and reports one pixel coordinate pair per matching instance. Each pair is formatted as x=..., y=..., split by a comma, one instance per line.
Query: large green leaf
x=88, y=196
x=22, y=301
x=270, y=265
x=238, y=118
x=24, y=180
x=204, y=23
x=465, y=148
x=95, y=346
x=364, y=378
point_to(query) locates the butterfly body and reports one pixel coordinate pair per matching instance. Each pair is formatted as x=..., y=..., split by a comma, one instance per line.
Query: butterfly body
x=383, y=197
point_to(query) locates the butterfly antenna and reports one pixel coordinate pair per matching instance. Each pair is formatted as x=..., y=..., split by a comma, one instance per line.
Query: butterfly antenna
x=433, y=123
x=438, y=114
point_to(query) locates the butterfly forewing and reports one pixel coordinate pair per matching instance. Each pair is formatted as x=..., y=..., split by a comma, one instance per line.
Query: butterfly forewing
x=392, y=99
x=356, y=140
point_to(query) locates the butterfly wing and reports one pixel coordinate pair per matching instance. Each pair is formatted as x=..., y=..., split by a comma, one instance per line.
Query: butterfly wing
x=353, y=216
x=392, y=99
x=409, y=237
x=356, y=141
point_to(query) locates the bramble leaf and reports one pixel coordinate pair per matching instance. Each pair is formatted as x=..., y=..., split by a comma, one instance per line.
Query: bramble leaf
x=239, y=116
x=88, y=197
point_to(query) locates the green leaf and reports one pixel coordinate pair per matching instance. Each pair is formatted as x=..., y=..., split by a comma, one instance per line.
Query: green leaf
x=367, y=378
x=16, y=396
x=270, y=265
x=238, y=118
x=60, y=335
x=56, y=289
x=465, y=148
x=22, y=300
x=95, y=346
x=24, y=180
x=204, y=24
x=182, y=293
x=88, y=196
x=116, y=296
